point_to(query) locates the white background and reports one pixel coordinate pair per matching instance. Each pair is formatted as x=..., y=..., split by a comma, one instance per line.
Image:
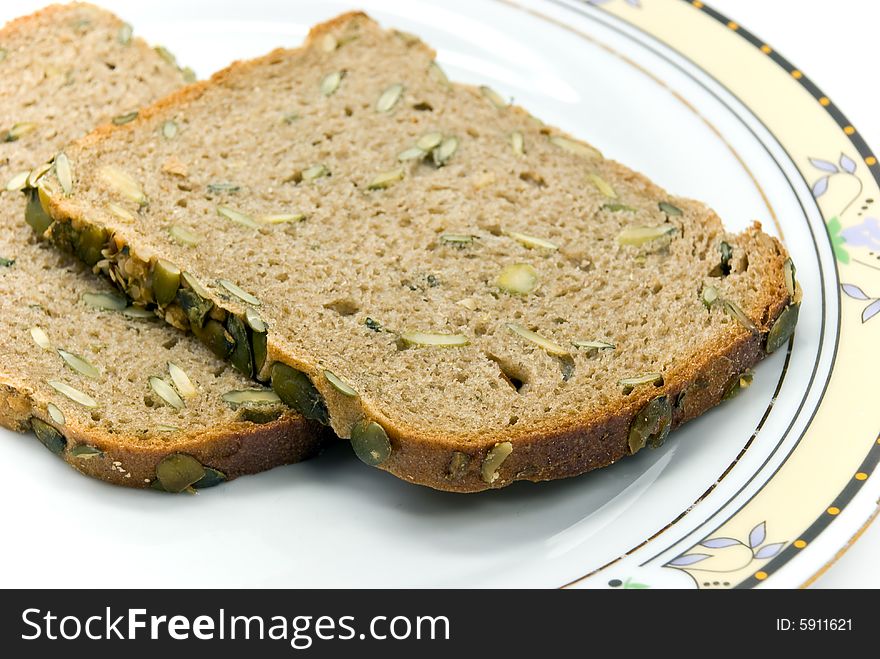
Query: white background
x=834, y=44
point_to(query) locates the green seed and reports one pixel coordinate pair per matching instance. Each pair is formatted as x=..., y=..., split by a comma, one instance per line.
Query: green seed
x=593, y=346
x=493, y=461
x=281, y=218
x=438, y=74
x=55, y=414
x=386, y=179
x=638, y=236
x=458, y=466
x=120, y=213
x=250, y=397
x=80, y=365
x=188, y=74
x=788, y=272
x=429, y=141
x=6, y=263
x=518, y=279
x=445, y=151
x=340, y=385
x=315, y=172
x=629, y=384
x=389, y=98
x=165, y=54
x=517, y=143
x=166, y=392
x=178, y=471
x=709, y=296
x=215, y=336
x=260, y=351
x=123, y=36
x=434, y=340
x=370, y=442
x=669, y=209
x=239, y=218
x=194, y=300
x=651, y=425
x=19, y=130
x=602, y=186
x=37, y=173
x=457, y=238
x=123, y=183
x=105, y=301
x=239, y=292
x=64, y=173
x=494, y=97
x=330, y=83
x=575, y=147
x=40, y=338
x=547, y=345
x=73, y=394
x=617, y=208
x=296, y=390
x=726, y=254
x=126, y=118
x=732, y=309
x=737, y=384
x=89, y=242
x=166, y=281
x=211, y=478
x=169, y=130
x=783, y=328
x=242, y=358
x=223, y=188
x=413, y=153
x=532, y=242
x=138, y=313
x=35, y=214
x=183, y=236
x=17, y=182
x=254, y=321
x=181, y=381
x=49, y=436
x=86, y=452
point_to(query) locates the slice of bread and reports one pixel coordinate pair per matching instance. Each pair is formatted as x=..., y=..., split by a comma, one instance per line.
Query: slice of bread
x=471, y=296
x=78, y=375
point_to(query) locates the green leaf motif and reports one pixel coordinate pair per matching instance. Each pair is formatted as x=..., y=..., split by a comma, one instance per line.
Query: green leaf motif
x=630, y=584
x=837, y=240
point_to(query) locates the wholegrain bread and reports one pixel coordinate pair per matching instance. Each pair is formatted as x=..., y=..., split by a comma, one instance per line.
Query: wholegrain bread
x=75, y=363
x=471, y=296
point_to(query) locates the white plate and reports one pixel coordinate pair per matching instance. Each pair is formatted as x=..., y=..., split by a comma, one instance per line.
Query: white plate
x=762, y=471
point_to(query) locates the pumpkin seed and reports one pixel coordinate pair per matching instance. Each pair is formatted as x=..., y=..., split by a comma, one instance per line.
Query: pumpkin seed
x=105, y=301
x=593, y=346
x=223, y=188
x=296, y=390
x=87, y=243
x=434, y=339
x=17, y=182
x=49, y=436
x=651, y=425
x=239, y=218
x=164, y=427
x=737, y=384
x=386, y=179
x=188, y=74
x=617, y=208
x=709, y=296
x=445, y=151
x=429, y=141
x=629, y=384
x=330, y=83
x=438, y=74
x=120, y=213
x=576, y=147
x=493, y=461
x=169, y=130
x=212, y=478
x=166, y=392
x=56, y=414
x=370, y=442
x=328, y=43
x=123, y=35
x=602, y=186
x=123, y=183
x=181, y=380
x=260, y=351
x=457, y=238
x=165, y=54
x=35, y=212
x=726, y=254
x=250, y=397
x=339, y=384
x=215, y=336
x=178, y=471
x=254, y=321
x=80, y=365
x=494, y=97
x=547, y=345
x=75, y=395
x=732, y=309
x=532, y=241
x=86, y=452
x=458, y=465
x=517, y=143
x=19, y=130
x=281, y=218
x=37, y=173
x=138, y=313
x=166, y=281
x=518, y=279
x=41, y=338
x=183, y=236
x=64, y=173
x=413, y=153
x=126, y=118
x=637, y=236
x=6, y=263
x=315, y=172
x=669, y=209
x=389, y=98
x=241, y=358
x=239, y=292
x=788, y=273
x=783, y=328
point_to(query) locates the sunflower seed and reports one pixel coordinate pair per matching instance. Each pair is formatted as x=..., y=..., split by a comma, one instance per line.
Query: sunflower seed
x=223, y=188
x=238, y=217
x=519, y=279
x=517, y=143
x=429, y=141
x=603, y=186
x=41, y=338
x=123, y=183
x=669, y=209
x=19, y=130
x=55, y=414
x=413, y=153
x=64, y=173
x=532, y=241
x=637, y=236
x=386, y=179
x=123, y=36
x=126, y=118
x=281, y=218
x=183, y=236
x=254, y=321
x=732, y=309
x=445, y=151
x=593, y=346
x=457, y=238
x=105, y=301
x=494, y=97
x=493, y=461
x=330, y=83
x=86, y=452
x=73, y=394
x=166, y=392
x=37, y=173
x=389, y=98
x=629, y=384
x=80, y=365
x=181, y=380
x=315, y=172
x=239, y=292
x=547, y=345
x=169, y=130
x=17, y=182
x=434, y=339
x=577, y=148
